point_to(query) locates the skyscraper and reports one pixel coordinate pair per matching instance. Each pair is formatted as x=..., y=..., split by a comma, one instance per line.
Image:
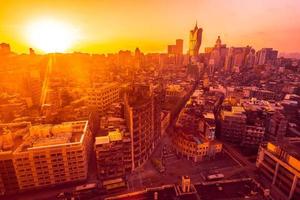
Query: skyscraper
x=175, y=52
x=179, y=46
x=266, y=56
x=195, y=40
x=236, y=58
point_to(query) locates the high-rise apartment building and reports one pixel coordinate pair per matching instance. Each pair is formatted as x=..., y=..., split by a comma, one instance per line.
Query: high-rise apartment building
x=53, y=154
x=250, y=59
x=236, y=58
x=179, y=46
x=266, y=56
x=140, y=118
x=217, y=55
x=175, y=52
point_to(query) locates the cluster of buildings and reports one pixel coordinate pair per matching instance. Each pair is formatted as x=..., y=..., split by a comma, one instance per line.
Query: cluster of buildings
x=186, y=189
x=259, y=109
x=62, y=109
x=195, y=130
x=236, y=59
x=249, y=120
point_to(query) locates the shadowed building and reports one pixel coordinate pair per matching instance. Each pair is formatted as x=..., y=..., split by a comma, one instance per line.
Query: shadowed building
x=140, y=113
x=11, y=136
x=217, y=55
x=110, y=159
x=266, y=56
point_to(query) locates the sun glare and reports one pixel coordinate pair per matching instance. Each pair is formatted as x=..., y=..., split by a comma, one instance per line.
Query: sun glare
x=51, y=36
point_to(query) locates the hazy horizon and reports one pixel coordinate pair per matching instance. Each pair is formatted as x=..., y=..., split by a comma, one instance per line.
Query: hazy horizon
x=110, y=26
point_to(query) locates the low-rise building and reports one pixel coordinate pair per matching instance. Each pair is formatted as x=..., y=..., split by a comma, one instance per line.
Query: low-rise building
x=11, y=136
x=233, y=124
x=195, y=134
x=195, y=148
x=110, y=159
x=114, y=122
x=277, y=126
x=100, y=97
x=263, y=94
x=253, y=136
x=175, y=90
x=280, y=164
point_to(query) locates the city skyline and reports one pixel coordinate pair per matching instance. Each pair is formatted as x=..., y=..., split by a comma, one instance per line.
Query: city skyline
x=149, y=100
x=102, y=27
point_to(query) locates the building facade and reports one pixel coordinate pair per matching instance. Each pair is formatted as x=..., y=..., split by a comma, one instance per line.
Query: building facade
x=195, y=41
x=194, y=148
x=53, y=154
x=266, y=56
x=233, y=125
x=139, y=113
x=109, y=151
x=280, y=164
x=277, y=126
x=253, y=136
x=100, y=97
x=11, y=135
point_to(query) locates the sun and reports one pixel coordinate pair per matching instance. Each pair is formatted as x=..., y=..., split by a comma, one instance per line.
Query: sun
x=51, y=36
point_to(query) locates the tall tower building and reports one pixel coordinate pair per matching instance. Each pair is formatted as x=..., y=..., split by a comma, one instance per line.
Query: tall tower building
x=179, y=46
x=195, y=40
x=140, y=115
x=236, y=58
x=217, y=55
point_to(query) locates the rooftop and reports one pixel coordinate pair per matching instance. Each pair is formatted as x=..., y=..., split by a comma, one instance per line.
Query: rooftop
x=209, y=115
x=291, y=147
x=12, y=134
x=239, y=189
x=49, y=135
x=225, y=190
x=104, y=86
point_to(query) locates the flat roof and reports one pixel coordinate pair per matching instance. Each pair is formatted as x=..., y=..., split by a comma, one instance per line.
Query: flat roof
x=290, y=146
x=209, y=115
x=49, y=135
x=239, y=189
x=231, y=189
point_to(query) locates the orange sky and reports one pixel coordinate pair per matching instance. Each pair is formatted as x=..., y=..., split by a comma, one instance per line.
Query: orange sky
x=110, y=25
